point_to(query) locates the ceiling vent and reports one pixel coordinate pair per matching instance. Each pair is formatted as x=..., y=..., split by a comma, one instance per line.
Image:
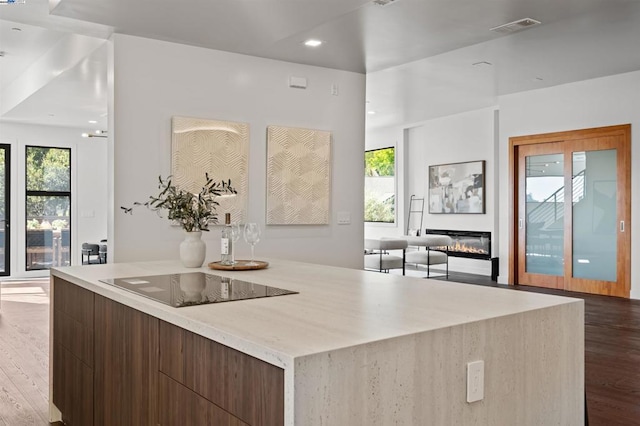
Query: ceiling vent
x=384, y=2
x=514, y=26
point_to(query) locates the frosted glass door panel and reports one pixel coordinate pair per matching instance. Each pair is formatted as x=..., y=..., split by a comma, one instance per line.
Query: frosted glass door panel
x=595, y=215
x=544, y=209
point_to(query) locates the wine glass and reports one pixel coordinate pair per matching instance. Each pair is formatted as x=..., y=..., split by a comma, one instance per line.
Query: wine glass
x=235, y=236
x=252, y=236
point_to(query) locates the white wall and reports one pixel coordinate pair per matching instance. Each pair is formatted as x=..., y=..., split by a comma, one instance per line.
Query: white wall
x=468, y=136
x=89, y=186
x=151, y=81
x=453, y=139
x=592, y=103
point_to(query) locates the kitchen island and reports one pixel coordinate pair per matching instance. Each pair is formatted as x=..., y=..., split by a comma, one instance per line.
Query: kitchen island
x=351, y=348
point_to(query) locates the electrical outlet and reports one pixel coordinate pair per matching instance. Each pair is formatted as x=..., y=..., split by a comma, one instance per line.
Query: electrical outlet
x=475, y=381
x=334, y=89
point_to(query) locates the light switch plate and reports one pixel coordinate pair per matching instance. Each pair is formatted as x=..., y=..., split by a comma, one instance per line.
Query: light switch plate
x=475, y=381
x=344, y=218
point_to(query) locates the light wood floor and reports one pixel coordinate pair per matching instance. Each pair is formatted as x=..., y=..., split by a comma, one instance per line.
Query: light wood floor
x=24, y=352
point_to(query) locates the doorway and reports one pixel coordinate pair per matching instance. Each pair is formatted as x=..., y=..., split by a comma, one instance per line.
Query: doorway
x=5, y=209
x=572, y=206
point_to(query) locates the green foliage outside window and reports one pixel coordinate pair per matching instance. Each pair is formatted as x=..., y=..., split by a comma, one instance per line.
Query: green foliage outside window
x=380, y=162
x=376, y=211
x=379, y=198
x=48, y=169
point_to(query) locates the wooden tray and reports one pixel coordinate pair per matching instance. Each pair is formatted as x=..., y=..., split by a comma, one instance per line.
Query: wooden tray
x=240, y=265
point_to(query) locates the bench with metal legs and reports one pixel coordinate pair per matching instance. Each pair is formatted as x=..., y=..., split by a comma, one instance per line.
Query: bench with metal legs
x=378, y=258
x=435, y=253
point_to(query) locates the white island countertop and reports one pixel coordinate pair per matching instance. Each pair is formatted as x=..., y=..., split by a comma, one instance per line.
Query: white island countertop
x=336, y=309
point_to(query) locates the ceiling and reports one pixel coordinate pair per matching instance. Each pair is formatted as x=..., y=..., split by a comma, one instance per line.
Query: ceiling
x=418, y=54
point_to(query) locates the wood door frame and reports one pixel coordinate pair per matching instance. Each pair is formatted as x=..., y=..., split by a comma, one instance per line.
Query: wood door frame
x=624, y=201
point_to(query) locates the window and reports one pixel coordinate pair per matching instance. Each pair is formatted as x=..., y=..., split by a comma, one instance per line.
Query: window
x=48, y=207
x=380, y=185
x=5, y=209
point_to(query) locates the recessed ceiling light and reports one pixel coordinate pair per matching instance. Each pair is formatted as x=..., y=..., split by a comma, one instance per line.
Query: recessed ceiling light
x=371, y=112
x=313, y=43
x=482, y=64
x=92, y=121
x=16, y=29
x=52, y=115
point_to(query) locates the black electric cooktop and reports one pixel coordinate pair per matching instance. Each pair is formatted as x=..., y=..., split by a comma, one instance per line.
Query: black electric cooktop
x=194, y=288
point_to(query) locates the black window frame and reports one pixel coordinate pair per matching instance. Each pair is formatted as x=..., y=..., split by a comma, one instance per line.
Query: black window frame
x=7, y=214
x=32, y=193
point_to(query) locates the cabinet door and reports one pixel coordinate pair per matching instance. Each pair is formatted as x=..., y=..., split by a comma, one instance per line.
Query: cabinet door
x=73, y=319
x=72, y=344
x=242, y=385
x=180, y=406
x=72, y=387
x=126, y=365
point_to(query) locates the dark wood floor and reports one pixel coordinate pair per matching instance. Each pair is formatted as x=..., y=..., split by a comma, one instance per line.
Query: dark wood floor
x=612, y=353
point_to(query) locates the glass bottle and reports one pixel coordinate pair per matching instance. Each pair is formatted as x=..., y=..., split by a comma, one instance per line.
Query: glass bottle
x=226, y=242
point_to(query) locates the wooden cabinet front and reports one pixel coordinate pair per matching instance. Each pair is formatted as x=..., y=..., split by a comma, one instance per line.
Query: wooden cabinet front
x=126, y=365
x=108, y=364
x=246, y=387
x=179, y=406
x=73, y=352
x=72, y=387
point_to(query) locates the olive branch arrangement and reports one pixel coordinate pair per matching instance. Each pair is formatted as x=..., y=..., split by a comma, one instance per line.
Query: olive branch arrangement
x=193, y=212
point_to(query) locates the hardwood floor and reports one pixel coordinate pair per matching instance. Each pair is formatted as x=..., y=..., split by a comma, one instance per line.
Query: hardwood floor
x=612, y=353
x=612, y=358
x=24, y=353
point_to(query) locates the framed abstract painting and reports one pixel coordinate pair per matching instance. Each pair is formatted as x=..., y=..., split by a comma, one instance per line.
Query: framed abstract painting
x=457, y=188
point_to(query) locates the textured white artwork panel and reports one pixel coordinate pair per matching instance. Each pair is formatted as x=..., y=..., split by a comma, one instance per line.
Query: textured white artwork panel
x=298, y=176
x=219, y=148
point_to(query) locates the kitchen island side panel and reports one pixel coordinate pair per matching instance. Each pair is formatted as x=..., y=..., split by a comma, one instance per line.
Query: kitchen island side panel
x=533, y=375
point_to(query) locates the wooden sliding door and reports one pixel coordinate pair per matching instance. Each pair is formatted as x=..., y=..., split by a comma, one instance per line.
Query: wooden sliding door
x=572, y=207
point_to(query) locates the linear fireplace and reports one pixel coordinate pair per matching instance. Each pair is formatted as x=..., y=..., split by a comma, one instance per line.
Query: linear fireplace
x=470, y=244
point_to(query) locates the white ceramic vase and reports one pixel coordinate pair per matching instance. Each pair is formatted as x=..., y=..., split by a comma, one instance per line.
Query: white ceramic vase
x=192, y=250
